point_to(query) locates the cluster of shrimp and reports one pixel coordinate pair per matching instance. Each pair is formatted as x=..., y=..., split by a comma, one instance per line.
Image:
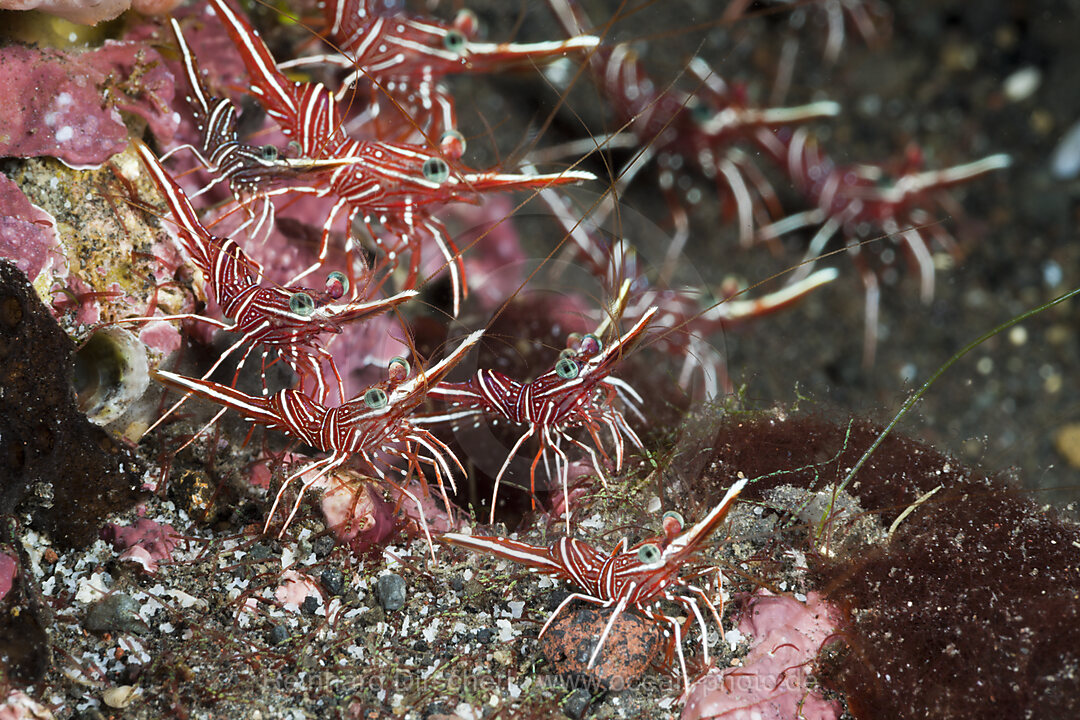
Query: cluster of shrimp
x=383, y=150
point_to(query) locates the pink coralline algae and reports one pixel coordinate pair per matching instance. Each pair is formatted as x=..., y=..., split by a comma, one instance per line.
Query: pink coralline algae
x=771, y=684
x=7, y=574
x=66, y=105
x=27, y=233
x=146, y=542
x=20, y=706
x=90, y=12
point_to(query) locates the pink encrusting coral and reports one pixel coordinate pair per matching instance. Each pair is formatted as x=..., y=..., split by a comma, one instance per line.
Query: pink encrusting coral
x=69, y=102
x=27, y=233
x=772, y=682
x=146, y=542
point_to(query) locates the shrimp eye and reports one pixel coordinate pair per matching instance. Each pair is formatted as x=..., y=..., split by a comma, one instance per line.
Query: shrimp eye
x=673, y=522
x=648, y=554
x=573, y=342
x=375, y=398
x=337, y=284
x=591, y=345
x=398, y=369
x=294, y=146
x=466, y=22
x=301, y=304
x=701, y=113
x=452, y=143
x=268, y=153
x=436, y=170
x=566, y=368
x=454, y=42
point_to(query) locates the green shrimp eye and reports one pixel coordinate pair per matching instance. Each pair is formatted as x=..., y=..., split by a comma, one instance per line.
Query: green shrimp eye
x=454, y=42
x=301, y=304
x=268, y=153
x=337, y=284
x=436, y=170
x=591, y=345
x=375, y=398
x=701, y=112
x=566, y=368
x=648, y=554
x=398, y=369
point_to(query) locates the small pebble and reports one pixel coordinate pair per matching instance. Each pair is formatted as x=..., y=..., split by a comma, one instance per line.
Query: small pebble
x=310, y=605
x=576, y=704
x=116, y=613
x=278, y=635
x=1065, y=160
x=484, y=635
x=1022, y=84
x=435, y=708
x=390, y=590
x=259, y=551
x=456, y=583
x=322, y=546
x=332, y=580
x=1067, y=443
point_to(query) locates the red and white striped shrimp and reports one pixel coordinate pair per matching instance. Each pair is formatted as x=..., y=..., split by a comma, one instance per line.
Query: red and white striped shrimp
x=374, y=424
x=246, y=168
x=856, y=201
x=638, y=576
x=406, y=57
x=689, y=316
x=702, y=129
x=291, y=320
x=578, y=392
x=392, y=185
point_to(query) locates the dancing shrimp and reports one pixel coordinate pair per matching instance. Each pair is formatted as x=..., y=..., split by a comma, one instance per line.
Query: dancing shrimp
x=392, y=185
x=637, y=576
x=288, y=319
x=375, y=422
x=577, y=392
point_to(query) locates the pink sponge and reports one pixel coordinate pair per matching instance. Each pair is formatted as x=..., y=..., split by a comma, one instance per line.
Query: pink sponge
x=771, y=684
